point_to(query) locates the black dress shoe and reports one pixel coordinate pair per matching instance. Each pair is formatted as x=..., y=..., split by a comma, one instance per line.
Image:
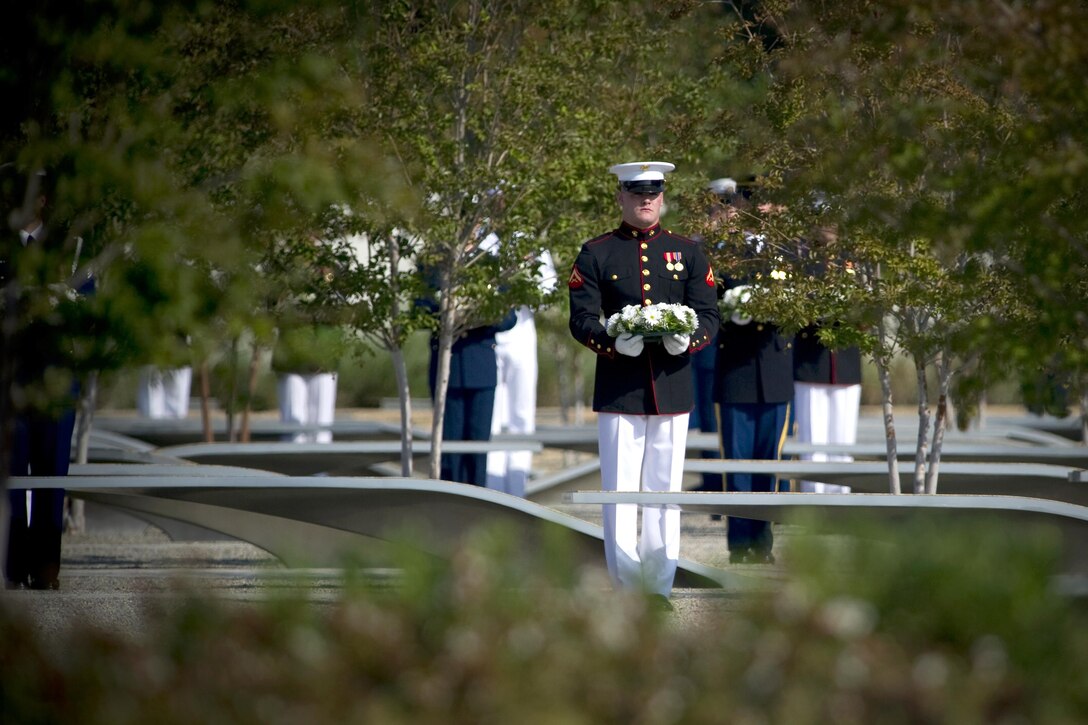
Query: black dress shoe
x=45, y=584
x=747, y=556
x=20, y=584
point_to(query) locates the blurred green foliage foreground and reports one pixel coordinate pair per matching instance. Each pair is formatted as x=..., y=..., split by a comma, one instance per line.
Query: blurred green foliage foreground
x=931, y=627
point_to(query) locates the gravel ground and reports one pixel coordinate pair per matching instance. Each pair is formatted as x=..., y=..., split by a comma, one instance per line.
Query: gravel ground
x=112, y=573
x=119, y=564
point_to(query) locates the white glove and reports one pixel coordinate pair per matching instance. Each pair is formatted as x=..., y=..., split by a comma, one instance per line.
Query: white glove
x=676, y=343
x=739, y=318
x=629, y=344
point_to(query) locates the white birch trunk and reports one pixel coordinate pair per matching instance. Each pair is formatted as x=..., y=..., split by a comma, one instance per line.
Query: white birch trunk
x=400, y=370
x=944, y=381
x=1084, y=412
x=883, y=369
x=442, y=375
x=75, y=520
x=205, y=402
x=400, y=367
x=923, y=426
x=232, y=397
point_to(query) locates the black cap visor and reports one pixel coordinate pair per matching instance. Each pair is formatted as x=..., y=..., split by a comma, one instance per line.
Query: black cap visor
x=644, y=186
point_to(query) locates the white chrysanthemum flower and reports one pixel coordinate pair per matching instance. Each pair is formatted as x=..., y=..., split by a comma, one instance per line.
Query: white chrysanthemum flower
x=614, y=326
x=662, y=317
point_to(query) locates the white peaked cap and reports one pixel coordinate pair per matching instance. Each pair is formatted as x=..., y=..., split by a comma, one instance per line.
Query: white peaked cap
x=642, y=170
x=723, y=186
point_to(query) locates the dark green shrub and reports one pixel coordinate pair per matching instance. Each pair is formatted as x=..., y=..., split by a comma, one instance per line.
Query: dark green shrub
x=949, y=626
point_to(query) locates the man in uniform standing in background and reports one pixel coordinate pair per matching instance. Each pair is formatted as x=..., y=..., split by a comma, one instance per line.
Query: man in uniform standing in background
x=515, y=390
x=754, y=384
x=643, y=390
x=163, y=393
x=827, y=391
x=41, y=439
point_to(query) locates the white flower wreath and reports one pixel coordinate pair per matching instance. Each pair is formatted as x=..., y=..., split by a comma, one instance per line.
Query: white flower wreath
x=653, y=320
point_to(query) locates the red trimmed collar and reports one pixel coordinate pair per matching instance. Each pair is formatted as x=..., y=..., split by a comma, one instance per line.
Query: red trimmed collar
x=631, y=232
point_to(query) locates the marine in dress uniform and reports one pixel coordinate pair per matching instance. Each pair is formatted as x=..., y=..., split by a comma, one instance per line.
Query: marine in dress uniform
x=643, y=390
x=753, y=390
x=305, y=360
x=515, y=390
x=42, y=435
x=164, y=393
x=827, y=395
x=470, y=398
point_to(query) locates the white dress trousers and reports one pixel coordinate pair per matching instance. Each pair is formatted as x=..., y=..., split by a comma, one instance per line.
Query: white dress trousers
x=308, y=400
x=642, y=452
x=826, y=414
x=164, y=393
x=515, y=403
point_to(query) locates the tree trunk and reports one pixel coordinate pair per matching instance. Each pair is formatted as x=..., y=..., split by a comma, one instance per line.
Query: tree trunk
x=205, y=402
x=1084, y=412
x=944, y=381
x=923, y=425
x=74, y=519
x=251, y=388
x=446, y=320
x=232, y=394
x=400, y=370
x=563, y=380
x=400, y=367
x=883, y=369
x=441, y=385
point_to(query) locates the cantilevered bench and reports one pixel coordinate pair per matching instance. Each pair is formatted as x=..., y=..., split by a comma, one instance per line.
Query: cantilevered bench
x=165, y=432
x=311, y=521
x=1064, y=455
x=1035, y=479
x=550, y=488
x=175, y=529
x=545, y=489
x=830, y=511
x=332, y=459
x=584, y=438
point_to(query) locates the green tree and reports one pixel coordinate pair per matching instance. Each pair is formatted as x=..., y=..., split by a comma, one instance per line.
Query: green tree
x=503, y=116
x=908, y=119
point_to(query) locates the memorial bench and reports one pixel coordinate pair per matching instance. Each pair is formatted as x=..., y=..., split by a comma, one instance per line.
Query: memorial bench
x=1072, y=456
x=168, y=432
x=1041, y=480
x=331, y=459
x=831, y=511
x=308, y=522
